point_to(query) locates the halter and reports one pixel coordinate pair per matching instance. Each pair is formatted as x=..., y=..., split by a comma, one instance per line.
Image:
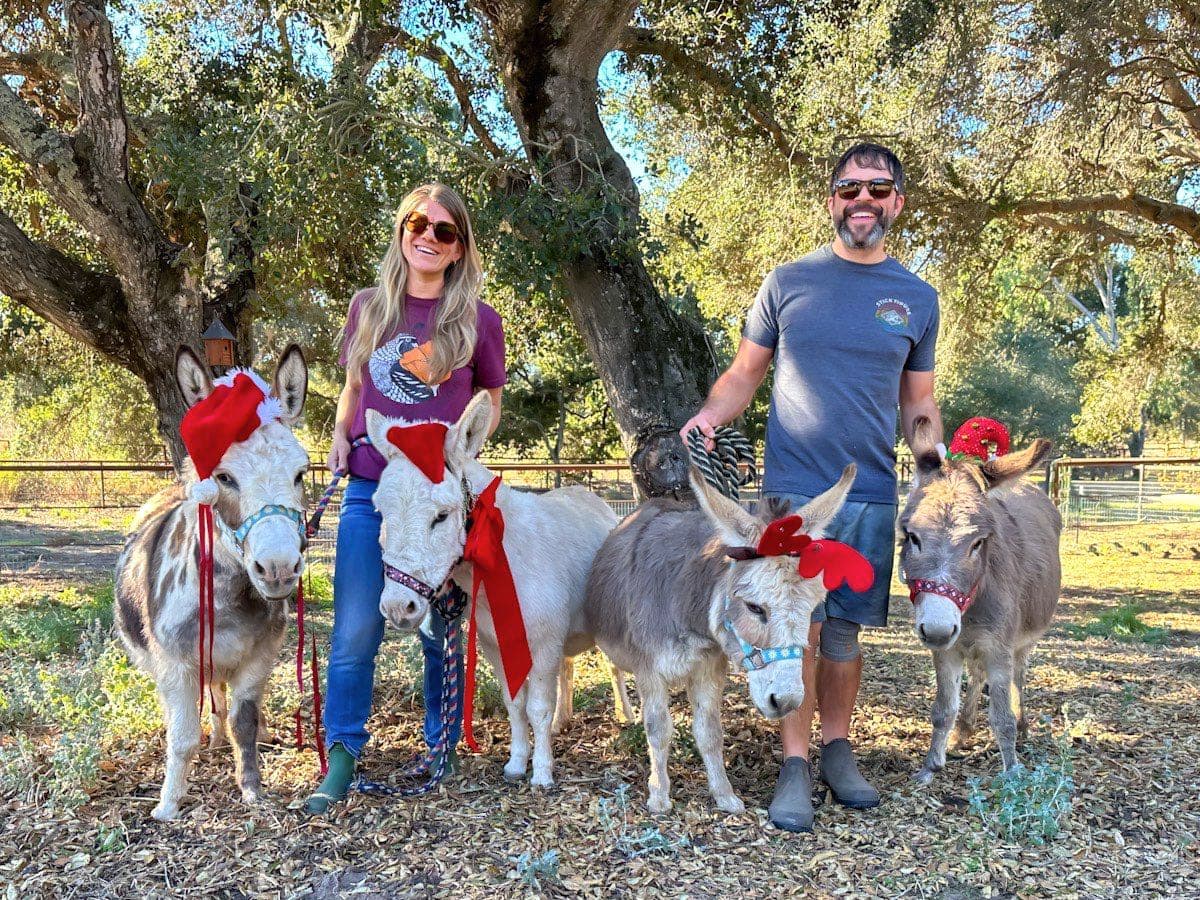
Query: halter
x=950, y=592
x=240, y=533
x=754, y=658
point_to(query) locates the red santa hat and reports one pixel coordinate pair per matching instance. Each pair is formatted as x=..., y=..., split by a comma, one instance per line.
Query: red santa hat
x=239, y=404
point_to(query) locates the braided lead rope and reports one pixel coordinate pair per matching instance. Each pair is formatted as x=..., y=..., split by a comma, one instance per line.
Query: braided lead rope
x=314, y=524
x=720, y=467
x=450, y=603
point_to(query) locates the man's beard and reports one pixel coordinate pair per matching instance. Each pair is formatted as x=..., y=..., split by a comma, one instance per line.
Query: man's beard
x=872, y=237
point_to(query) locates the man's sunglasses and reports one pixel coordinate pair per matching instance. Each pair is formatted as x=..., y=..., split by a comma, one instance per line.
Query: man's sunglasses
x=443, y=232
x=849, y=188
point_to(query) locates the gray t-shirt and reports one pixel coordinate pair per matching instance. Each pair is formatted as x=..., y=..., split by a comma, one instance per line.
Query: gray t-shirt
x=842, y=333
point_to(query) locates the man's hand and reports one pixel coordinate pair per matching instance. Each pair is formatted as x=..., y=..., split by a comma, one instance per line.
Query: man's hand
x=704, y=421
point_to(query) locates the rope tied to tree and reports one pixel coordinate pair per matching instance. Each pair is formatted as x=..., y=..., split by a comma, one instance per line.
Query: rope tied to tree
x=721, y=466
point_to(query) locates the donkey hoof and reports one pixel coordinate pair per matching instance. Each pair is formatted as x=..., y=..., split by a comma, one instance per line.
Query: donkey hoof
x=657, y=804
x=544, y=782
x=514, y=773
x=923, y=776
x=730, y=804
x=251, y=794
x=165, y=812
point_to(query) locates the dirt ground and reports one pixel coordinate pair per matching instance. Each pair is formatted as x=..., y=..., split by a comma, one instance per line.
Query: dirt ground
x=1128, y=714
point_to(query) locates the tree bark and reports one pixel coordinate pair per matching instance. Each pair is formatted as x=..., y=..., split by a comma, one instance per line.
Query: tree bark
x=655, y=364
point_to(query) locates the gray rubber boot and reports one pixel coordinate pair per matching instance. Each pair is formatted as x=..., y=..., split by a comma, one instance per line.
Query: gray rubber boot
x=840, y=772
x=792, y=807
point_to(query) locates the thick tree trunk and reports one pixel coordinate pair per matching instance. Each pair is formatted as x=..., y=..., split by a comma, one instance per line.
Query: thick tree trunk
x=656, y=365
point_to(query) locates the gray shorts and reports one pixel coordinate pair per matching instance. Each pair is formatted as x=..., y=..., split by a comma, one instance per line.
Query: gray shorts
x=870, y=528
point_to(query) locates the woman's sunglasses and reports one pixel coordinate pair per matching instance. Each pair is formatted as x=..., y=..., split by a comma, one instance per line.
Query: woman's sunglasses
x=443, y=232
x=878, y=188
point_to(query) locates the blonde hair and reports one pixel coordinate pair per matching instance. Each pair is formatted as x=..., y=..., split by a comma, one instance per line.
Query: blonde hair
x=456, y=319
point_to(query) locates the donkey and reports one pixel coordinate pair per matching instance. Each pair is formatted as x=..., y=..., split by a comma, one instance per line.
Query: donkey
x=550, y=540
x=158, y=588
x=669, y=601
x=979, y=551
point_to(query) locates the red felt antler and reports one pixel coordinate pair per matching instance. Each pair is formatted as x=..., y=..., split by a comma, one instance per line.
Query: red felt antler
x=835, y=561
x=424, y=445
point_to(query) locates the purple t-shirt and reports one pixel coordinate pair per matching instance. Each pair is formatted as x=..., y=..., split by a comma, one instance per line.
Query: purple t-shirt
x=395, y=380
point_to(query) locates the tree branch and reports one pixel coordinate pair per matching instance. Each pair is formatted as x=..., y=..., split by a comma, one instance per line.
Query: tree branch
x=1158, y=212
x=428, y=49
x=637, y=41
x=89, y=306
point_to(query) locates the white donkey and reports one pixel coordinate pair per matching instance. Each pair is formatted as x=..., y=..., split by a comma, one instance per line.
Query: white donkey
x=257, y=560
x=550, y=540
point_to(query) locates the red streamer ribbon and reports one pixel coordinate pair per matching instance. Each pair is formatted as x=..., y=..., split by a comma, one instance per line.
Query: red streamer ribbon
x=469, y=688
x=484, y=549
x=208, y=614
x=318, y=739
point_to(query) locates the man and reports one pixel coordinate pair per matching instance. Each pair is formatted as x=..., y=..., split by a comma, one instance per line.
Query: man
x=852, y=333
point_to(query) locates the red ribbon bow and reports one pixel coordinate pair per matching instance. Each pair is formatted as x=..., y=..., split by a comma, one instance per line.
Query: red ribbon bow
x=484, y=549
x=835, y=561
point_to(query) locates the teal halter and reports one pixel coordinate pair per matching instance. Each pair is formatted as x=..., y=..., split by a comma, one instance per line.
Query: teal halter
x=239, y=535
x=754, y=658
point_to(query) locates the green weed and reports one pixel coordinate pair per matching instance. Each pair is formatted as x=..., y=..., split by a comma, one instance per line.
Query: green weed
x=532, y=870
x=1121, y=624
x=1026, y=804
x=40, y=626
x=630, y=840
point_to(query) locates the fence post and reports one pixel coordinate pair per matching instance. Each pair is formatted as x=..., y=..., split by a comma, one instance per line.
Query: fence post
x=103, y=498
x=1141, y=483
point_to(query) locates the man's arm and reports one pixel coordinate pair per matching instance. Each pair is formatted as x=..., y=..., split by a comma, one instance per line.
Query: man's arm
x=916, y=399
x=733, y=391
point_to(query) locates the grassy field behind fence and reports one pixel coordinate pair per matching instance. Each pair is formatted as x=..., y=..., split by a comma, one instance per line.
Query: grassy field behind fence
x=1105, y=806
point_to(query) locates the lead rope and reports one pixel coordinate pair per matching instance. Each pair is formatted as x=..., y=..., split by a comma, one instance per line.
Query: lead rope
x=720, y=466
x=450, y=604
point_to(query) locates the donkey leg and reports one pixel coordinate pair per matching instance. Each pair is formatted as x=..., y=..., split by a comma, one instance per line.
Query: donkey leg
x=948, y=668
x=183, y=740
x=218, y=737
x=539, y=707
x=968, y=715
x=565, y=708
x=1020, y=673
x=246, y=707
x=704, y=691
x=519, y=749
x=1000, y=712
x=656, y=719
x=624, y=709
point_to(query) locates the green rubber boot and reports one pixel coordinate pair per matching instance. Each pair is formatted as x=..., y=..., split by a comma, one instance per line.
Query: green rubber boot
x=336, y=783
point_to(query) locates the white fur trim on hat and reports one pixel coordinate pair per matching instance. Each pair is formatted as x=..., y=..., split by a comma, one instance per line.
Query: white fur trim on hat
x=205, y=491
x=270, y=409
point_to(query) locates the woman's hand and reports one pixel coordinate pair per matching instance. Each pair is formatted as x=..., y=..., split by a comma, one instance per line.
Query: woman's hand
x=339, y=453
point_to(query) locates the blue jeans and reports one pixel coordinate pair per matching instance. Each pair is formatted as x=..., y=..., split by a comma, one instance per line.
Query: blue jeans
x=358, y=628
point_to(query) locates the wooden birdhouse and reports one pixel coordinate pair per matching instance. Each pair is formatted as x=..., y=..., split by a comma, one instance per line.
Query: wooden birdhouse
x=218, y=346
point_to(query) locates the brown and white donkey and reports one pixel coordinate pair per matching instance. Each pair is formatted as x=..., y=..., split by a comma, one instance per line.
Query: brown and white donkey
x=257, y=561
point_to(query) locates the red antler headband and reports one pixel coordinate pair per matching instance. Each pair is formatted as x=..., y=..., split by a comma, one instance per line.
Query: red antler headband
x=837, y=562
x=974, y=435
x=424, y=445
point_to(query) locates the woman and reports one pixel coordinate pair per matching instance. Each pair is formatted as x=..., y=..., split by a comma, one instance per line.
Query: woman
x=417, y=347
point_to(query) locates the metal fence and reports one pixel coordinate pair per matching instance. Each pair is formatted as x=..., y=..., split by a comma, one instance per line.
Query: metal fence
x=1126, y=490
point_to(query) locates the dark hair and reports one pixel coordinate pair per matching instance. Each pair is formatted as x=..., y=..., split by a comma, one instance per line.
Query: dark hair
x=868, y=154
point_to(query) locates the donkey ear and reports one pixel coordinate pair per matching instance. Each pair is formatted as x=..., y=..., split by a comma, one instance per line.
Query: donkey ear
x=735, y=526
x=291, y=383
x=820, y=510
x=192, y=376
x=1004, y=470
x=377, y=430
x=924, y=449
x=465, y=438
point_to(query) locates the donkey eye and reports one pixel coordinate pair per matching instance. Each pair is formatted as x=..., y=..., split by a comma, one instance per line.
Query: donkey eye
x=757, y=610
x=976, y=545
x=226, y=480
x=439, y=518
x=300, y=478
x=913, y=539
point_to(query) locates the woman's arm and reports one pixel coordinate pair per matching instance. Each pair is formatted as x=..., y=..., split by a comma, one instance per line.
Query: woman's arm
x=339, y=452
x=494, y=393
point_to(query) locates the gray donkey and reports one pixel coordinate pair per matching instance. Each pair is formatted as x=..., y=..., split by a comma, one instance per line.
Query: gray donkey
x=674, y=595
x=979, y=550
x=254, y=573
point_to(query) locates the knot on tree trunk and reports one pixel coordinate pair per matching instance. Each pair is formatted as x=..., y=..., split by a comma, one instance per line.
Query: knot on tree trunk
x=660, y=463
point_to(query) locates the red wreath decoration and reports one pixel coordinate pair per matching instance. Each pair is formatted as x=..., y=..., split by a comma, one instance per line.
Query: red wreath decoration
x=974, y=435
